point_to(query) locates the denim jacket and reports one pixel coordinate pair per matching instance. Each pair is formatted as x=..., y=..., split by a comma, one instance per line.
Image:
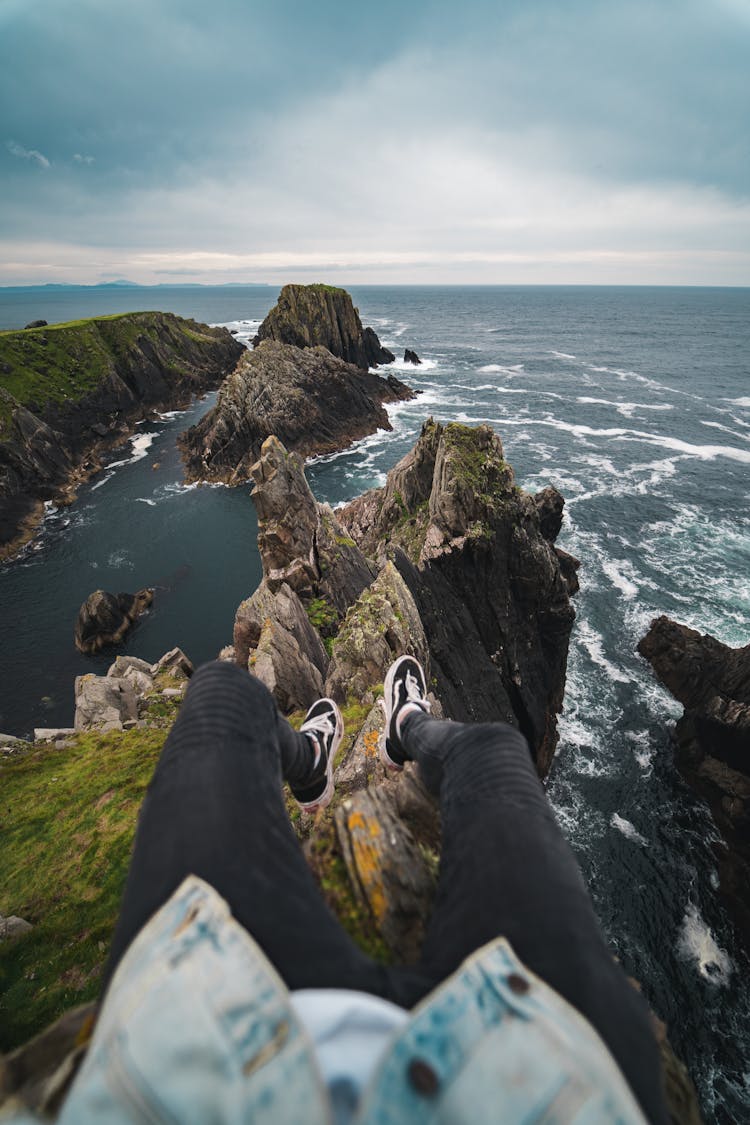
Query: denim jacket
x=198, y=1027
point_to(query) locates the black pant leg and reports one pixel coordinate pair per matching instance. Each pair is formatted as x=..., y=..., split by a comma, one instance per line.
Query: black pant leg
x=215, y=809
x=506, y=870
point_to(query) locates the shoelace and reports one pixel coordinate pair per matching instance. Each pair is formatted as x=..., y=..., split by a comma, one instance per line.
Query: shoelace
x=322, y=725
x=414, y=692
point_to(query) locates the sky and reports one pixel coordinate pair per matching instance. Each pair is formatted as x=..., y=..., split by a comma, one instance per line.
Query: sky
x=407, y=141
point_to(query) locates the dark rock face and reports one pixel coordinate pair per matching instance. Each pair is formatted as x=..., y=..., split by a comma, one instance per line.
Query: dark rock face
x=311, y=315
x=490, y=590
x=712, y=739
x=311, y=400
x=36, y=324
x=411, y=357
x=104, y=618
x=142, y=362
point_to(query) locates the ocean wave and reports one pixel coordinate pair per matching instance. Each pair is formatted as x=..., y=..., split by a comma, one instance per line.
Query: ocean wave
x=593, y=643
x=629, y=831
x=562, y=355
x=625, y=585
x=744, y=402
x=402, y=365
x=696, y=943
x=643, y=750
x=626, y=409
x=501, y=369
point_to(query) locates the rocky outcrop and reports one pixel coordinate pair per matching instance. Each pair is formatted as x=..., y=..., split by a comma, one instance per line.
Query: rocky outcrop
x=68, y=392
x=133, y=693
x=712, y=739
x=104, y=619
x=489, y=586
x=411, y=357
x=311, y=315
x=13, y=927
x=311, y=400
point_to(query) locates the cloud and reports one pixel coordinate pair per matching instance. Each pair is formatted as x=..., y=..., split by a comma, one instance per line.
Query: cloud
x=28, y=154
x=520, y=141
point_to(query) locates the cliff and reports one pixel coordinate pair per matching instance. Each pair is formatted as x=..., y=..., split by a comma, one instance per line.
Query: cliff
x=712, y=740
x=311, y=315
x=68, y=391
x=312, y=400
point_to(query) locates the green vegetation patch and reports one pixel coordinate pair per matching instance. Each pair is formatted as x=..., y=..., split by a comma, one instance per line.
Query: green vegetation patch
x=476, y=465
x=67, y=820
x=64, y=362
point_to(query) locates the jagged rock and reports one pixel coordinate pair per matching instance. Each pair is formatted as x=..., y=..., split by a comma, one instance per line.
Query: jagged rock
x=362, y=766
x=280, y=664
x=8, y=740
x=105, y=618
x=103, y=375
x=227, y=653
x=138, y=672
x=550, y=504
x=311, y=400
x=123, y=664
x=13, y=926
x=309, y=315
x=179, y=666
x=49, y=734
x=104, y=703
x=300, y=541
x=386, y=868
x=411, y=357
x=712, y=739
x=285, y=609
x=569, y=567
x=382, y=625
x=36, y=324
x=488, y=586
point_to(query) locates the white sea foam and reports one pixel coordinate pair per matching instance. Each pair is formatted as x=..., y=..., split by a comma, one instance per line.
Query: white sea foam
x=627, y=588
x=743, y=402
x=626, y=409
x=400, y=365
x=726, y=430
x=99, y=483
x=702, y=452
x=120, y=559
x=501, y=369
x=629, y=831
x=643, y=750
x=593, y=644
x=145, y=500
x=562, y=355
x=696, y=943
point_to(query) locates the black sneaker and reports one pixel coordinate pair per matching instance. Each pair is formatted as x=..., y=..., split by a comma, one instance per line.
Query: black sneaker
x=324, y=723
x=404, y=683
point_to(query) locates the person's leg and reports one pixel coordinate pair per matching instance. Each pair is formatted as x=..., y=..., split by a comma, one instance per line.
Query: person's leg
x=506, y=870
x=215, y=809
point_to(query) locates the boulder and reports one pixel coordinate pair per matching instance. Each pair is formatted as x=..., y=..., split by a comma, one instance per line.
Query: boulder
x=36, y=324
x=179, y=666
x=105, y=618
x=712, y=741
x=311, y=400
x=13, y=926
x=311, y=315
x=550, y=504
x=104, y=703
x=382, y=625
x=411, y=357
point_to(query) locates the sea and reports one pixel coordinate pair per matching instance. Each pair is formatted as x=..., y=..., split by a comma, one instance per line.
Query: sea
x=635, y=404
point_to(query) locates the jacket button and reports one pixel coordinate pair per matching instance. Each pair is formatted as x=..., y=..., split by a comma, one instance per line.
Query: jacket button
x=518, y=984
x=423, y=1078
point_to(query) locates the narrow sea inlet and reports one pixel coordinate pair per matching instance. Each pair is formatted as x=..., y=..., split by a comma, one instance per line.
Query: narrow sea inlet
x=635, y=403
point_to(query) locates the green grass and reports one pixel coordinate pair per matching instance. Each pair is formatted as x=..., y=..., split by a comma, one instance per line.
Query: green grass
x=67, y=819
x=64, y=362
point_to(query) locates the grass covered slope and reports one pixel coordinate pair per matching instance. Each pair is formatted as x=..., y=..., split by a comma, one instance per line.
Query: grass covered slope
x=68, y=820
x=64, y=362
